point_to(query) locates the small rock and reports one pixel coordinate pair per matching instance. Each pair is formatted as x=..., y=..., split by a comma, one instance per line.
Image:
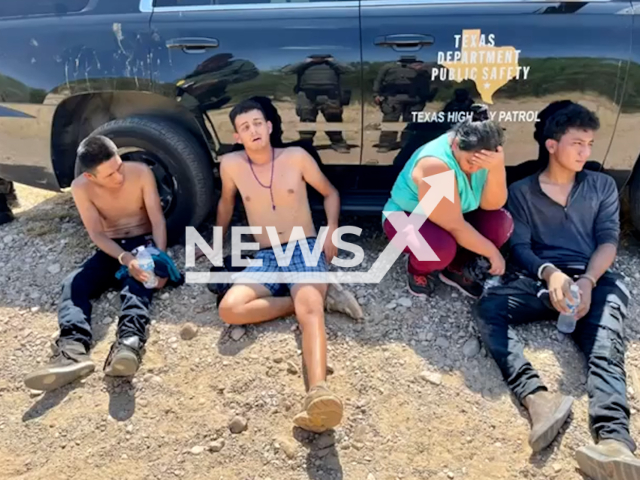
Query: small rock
x=164, y=296
x=390, y=305
x=8, y=239
x=371, y=477
x=471, y=348
x=330, y=369
x=442, y=342
x=143, y=402
x=54, y=268
x=197, y=450
x=157, y=380
x=430, y=336
x=237, y=333
x=557, y=467
x=291, y=368
x=217, y=445
x=278, y=359
x=173, y=339
x=450, y=475
x=35, y=309
x=434, y=378
x=238, y=425
x=130, y=429
x=188, y=331
x=357, y=445
x=287, y=446
x=325, y=440
x=404, y=302
x=323, y=453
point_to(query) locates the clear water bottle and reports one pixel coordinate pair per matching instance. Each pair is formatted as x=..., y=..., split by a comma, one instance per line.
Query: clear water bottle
x=146, y=263
x=492, y=281
x=567, y=322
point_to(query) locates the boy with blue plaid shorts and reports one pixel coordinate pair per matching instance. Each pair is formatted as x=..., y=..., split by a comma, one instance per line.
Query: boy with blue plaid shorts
x=273, y=185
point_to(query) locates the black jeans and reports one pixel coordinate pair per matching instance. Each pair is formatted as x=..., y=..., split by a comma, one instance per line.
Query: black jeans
x=599, y=335
x=92, y=279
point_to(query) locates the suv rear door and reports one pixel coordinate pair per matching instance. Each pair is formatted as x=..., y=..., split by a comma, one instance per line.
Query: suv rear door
x=421, y=58
x=214, y=54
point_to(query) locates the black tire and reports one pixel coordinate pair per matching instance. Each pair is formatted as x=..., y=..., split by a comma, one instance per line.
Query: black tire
x=182, y=168
x=634, y=199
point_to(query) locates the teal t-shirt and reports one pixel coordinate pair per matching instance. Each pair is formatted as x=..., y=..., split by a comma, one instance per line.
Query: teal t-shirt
x=404, y=194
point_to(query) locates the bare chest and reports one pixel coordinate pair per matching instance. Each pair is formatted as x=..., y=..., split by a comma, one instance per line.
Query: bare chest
x=260, y=190
x=125, y=204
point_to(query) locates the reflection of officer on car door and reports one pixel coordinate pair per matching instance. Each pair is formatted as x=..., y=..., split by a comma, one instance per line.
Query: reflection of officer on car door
x=400, y=88
x=318, y=89
x=8, y=200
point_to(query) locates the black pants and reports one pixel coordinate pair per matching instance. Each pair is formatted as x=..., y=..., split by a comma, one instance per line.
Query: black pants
x=599, y=335
x=92, y=279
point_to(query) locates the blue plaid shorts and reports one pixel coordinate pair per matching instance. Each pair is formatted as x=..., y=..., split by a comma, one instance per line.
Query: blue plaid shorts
x=264, y=273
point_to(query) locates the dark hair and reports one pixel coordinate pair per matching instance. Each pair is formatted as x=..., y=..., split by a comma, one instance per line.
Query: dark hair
x=94, y=151
x=478, y=131
x=245, y=106
x=572, y=116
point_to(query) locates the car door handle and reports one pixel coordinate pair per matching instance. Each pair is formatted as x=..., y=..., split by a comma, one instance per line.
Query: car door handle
x=404, y=41
x=193, y=44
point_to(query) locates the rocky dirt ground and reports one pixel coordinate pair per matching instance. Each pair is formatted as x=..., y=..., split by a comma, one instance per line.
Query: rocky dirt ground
x=422, y=398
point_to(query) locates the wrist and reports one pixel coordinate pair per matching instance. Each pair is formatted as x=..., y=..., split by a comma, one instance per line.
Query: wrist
x=125, y=258
x=589, y=278
x=547, y=271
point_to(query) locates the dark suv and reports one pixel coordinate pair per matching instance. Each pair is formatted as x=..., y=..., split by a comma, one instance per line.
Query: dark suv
x=362, y=83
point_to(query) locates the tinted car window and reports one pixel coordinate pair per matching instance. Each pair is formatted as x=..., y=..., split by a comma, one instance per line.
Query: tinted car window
x=199, y=3
x=12, y=8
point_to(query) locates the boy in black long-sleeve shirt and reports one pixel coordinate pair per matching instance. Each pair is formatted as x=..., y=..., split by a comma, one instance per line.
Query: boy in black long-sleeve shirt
x=566, y=231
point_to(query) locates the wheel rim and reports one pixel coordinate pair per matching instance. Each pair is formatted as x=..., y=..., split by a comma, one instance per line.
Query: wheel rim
x=166, y=183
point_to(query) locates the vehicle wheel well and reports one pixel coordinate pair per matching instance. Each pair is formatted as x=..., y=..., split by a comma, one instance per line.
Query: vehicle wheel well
x=77, y=116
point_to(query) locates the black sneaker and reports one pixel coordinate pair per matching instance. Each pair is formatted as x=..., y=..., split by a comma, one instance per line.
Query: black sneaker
x=124, y=357
x=420, y=285
x=69, y=362
x=468, y=286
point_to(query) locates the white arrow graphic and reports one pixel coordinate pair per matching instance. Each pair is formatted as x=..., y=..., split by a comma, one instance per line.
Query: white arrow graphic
x=442, y=186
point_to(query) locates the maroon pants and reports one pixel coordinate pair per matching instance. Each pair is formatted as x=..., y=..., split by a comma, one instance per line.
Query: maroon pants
x=495, y=225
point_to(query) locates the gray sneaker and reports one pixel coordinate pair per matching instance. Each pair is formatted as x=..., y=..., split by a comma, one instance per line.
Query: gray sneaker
x=608, y=460
x=124, y=357
x=341, y=300
x=70, y=361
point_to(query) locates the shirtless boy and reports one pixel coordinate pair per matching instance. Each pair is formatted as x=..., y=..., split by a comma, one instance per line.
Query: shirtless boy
x=120, y=208
x=273, y=185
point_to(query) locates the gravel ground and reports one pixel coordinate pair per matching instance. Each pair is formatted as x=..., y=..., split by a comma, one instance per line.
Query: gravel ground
x=422, y=398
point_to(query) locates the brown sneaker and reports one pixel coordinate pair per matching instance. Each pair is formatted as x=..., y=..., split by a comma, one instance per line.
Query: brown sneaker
x=339, y=299
x=322, y=410
x=548, y=412
x=608, y=460
x=68, y=363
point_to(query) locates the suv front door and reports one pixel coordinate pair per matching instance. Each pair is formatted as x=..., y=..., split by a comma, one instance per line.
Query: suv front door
x=304, y=56
x=426, y=62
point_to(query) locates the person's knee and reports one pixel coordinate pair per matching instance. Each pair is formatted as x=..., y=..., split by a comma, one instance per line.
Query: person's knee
x=309, y=305
x=230, y=308
x=501, y=227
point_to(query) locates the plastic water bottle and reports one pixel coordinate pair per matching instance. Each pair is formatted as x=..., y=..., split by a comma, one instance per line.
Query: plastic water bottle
x=146, y=263
x=492, y=281
x=567, y=322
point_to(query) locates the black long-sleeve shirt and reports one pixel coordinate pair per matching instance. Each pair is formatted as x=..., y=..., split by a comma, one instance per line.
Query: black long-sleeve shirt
x=546, y=232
